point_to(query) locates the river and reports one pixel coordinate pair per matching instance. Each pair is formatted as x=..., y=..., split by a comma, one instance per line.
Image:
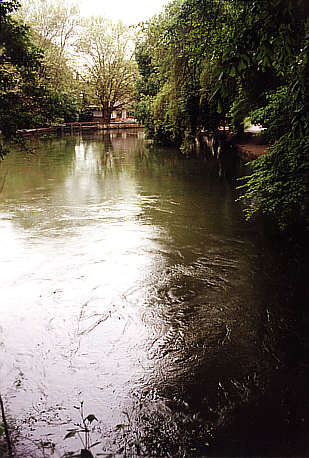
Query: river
x=133, y=291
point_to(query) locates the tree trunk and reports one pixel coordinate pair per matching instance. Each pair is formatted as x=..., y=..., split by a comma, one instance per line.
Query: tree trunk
x=106, y=112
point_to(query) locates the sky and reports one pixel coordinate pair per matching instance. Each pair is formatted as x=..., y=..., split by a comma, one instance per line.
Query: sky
x=129, y=11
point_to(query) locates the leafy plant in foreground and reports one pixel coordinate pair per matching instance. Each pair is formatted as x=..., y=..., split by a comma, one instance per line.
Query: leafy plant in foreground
x=83, y=431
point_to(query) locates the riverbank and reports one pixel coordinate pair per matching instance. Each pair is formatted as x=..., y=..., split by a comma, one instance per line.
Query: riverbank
x=251, y=144
x=78, y=126
x=251, y=151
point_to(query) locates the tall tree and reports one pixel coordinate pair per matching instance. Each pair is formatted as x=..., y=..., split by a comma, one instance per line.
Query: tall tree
x=54, y=26
x=51, y=21
x=109, y=68
x=180, y=45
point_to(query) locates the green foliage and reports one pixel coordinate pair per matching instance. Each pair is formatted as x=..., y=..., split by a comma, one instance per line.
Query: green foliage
x=20, y=88
x=237, y=113
x=27, y=99
x=177, y=57
x=229, y=61
x=52, y=26
x=278, y=185
x=149, y=81
x=143, y=113
x=276, y=115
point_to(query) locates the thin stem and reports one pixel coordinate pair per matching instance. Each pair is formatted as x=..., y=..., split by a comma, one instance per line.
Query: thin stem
x=6, y=429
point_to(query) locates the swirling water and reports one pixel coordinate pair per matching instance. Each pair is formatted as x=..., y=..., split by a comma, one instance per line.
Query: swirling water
x=131, y=286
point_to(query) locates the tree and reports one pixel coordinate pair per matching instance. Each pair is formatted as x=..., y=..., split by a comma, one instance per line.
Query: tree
x=20, y=89
x=26, y=100
x=51, y=22
x=54, y=27
x=109, y=68
x=181, y=45
x=226, y=60
x=274, y=41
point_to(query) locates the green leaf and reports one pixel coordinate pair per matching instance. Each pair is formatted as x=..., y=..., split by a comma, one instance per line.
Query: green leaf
x=91, y=418
x=242, y=65
x=233, y=71
x=70, y=434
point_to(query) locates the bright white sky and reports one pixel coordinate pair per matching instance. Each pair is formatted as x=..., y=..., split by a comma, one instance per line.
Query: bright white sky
x=129, y=11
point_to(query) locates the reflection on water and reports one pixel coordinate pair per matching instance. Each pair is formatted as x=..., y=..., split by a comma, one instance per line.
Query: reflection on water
x=130, y=282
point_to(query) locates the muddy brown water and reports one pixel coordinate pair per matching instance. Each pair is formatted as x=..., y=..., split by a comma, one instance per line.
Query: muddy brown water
x=132, y=287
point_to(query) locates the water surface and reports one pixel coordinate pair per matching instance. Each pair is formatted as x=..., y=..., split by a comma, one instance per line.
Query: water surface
x=130, y=283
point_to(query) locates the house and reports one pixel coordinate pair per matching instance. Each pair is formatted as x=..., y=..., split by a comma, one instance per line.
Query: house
x=124, y=114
